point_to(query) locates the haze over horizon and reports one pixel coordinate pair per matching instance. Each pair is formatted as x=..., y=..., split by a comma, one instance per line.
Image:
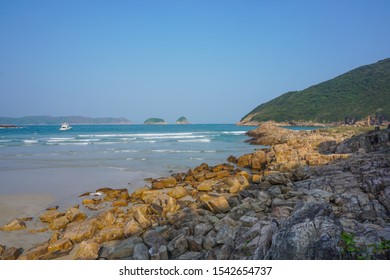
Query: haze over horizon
x=210, y=61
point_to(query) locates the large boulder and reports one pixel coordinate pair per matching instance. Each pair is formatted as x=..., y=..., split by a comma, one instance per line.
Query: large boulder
x=311, y=233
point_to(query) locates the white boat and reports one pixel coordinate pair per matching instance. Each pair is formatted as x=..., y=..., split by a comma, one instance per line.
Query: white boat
x=65, y=126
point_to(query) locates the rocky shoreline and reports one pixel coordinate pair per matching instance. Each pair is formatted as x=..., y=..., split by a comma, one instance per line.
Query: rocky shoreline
x=322, y=194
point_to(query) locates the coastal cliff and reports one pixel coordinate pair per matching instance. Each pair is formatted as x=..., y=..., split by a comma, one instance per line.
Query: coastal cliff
x=321, y=194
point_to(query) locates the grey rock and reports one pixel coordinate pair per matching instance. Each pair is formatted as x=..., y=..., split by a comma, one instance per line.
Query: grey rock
x=226, y=234
x=153, y=239
x=209, y=240
x=160, y=253
x=177, y=246
x=202, y=229
x=119, y=249
x=310, y=233
x=248, y=221
x=141, y=252
x=195, y=243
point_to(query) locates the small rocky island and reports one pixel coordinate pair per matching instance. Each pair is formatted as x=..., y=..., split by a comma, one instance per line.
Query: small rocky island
x=155, y=121
x=182, y=120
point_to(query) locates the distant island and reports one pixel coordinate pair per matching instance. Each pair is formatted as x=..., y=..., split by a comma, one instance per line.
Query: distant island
x=155, y=121
x=182, y=120
x=355, y=95
x=49, y=120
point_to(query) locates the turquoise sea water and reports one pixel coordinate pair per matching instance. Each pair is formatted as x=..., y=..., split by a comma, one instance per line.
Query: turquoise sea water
x=43, y=159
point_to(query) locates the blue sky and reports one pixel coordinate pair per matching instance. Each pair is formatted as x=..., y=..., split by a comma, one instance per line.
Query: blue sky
x=211, y=61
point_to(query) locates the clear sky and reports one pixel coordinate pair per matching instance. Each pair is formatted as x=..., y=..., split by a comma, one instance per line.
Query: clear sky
x=210, y=60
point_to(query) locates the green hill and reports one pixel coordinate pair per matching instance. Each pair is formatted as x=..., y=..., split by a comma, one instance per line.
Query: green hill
x=357, y=93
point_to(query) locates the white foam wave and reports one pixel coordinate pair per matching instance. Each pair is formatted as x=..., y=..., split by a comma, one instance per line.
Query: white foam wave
x=30, y=141
x=234, y=132
x=137, y=135
x=174, y=151
x=73, y=143
x=195, y=140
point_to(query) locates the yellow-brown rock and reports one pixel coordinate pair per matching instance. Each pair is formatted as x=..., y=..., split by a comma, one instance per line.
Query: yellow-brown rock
x=206, y=186
x=59, y=223
x=222, y=174
x=178, y=192
x=105, y=219
x=168, y=182
x=15, y=224
x=132, y=228
x=256, y=178
x=75, y=214
x=210, y=175
x=109, y=234
x=233, y=184
x=89, y=201
x=63, y=244
x=163, y=205
x=139, y=214
x=138, y=193
x=35, y=252
x=120, y=203
x=245, y=160
x=81, y=230
x=49, y=216
x=258, y=159
x=150, y=195
x=243, y=181
x=88, y=250
x=218, y=205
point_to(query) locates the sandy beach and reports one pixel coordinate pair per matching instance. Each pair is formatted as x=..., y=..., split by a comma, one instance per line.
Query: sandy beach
x=21, y=206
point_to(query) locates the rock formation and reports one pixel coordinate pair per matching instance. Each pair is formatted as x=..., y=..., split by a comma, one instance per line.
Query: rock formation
x=296, y=199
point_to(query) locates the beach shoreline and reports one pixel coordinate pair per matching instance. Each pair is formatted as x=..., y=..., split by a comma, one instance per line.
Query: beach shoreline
x=233, y=210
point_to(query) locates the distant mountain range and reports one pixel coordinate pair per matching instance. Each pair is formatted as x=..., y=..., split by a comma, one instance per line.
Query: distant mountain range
x=358, y=93
x=41, y=120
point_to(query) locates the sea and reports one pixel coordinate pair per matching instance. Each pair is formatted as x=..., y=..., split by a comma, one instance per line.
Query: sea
x=43, y=159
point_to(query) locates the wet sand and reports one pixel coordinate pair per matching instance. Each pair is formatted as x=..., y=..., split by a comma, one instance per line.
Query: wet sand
x=21, y=206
